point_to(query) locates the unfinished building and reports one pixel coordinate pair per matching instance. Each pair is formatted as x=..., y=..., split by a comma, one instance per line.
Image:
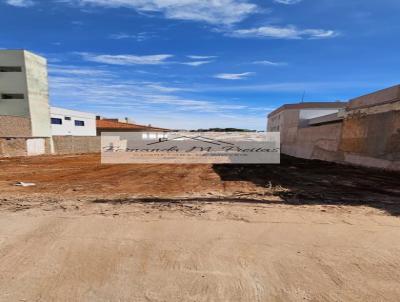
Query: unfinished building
x=24, y=108
x=365, y=131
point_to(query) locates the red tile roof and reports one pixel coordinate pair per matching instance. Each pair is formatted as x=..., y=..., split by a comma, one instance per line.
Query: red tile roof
x=114, y=125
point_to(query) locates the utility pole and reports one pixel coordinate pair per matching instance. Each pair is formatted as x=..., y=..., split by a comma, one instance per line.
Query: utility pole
x=302, y=97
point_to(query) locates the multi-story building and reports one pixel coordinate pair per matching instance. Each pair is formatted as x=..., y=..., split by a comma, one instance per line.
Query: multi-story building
x=28, y=124
x=24, y=106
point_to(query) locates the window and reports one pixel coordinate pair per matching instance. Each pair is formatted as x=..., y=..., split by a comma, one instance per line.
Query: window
x=10, y=69
x=79, y=123
x=67, y=118
x=56, y=121
x=12, y=96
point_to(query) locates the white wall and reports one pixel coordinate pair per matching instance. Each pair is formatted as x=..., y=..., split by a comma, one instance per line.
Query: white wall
x=38, y=94
x=68, y=126
x=306, y=114
x=35, y=146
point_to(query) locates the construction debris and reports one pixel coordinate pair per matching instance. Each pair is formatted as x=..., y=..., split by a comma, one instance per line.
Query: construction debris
x=25, y=184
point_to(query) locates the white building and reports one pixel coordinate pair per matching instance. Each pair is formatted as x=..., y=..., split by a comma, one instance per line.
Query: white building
x=71, y=122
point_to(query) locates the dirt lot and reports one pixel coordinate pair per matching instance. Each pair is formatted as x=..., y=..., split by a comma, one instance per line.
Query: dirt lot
x=299, y=231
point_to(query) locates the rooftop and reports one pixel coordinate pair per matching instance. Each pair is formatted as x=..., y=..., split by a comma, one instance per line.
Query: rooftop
x=309, y=105
x=21, y=51
x=106, y=124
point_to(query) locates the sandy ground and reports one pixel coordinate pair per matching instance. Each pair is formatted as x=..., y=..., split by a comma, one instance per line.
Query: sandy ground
x=292, y=232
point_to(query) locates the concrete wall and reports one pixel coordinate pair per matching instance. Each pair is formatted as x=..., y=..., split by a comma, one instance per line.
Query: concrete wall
x=24, y=146
x=306, y=114
x=11, y=147
x=38, y=94
x=14, y=126
x=76, y=144
x=13, y=82
x=372, y=139
x=364, y=141
x=274, y=123
x=320, y=142
x=368, y=136
x=390, y=94
x=305, y=110
x=32, y=83
x=68, y=127
x=289, y=125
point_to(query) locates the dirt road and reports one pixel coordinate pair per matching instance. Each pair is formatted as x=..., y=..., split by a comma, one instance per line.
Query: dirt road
x=199, y=252
x=299, y=231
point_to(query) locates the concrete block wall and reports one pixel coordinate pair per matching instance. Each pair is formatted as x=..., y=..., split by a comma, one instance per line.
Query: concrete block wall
x=24, y=146
x=18, y=146
x=12, y=147
x=14, y=126
x=76, y=144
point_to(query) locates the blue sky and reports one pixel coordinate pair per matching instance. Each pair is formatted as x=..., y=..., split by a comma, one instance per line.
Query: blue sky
x=206, y=63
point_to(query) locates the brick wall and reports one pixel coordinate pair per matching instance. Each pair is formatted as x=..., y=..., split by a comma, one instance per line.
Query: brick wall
x=14, y=126
x=76, y=144
x=17, y=146
x=11, y=147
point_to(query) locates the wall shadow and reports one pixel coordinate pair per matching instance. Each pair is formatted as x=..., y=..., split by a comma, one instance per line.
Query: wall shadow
x=314, y=182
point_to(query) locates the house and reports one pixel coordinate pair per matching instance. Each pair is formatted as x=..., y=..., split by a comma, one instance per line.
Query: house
x=72, y=122
x=115, y=125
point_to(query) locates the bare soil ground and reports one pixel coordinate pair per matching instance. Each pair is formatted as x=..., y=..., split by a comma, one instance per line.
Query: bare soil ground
x=299, y=231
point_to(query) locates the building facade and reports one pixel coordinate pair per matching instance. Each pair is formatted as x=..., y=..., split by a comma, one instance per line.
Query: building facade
x=23, y=95
x=26, y=125
x=365, y=132
x=288, y=118
x=72, y=122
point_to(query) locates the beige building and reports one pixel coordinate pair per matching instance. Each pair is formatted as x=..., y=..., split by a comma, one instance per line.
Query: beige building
x=24, y=96
x=364, y=131
x=287, y=118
